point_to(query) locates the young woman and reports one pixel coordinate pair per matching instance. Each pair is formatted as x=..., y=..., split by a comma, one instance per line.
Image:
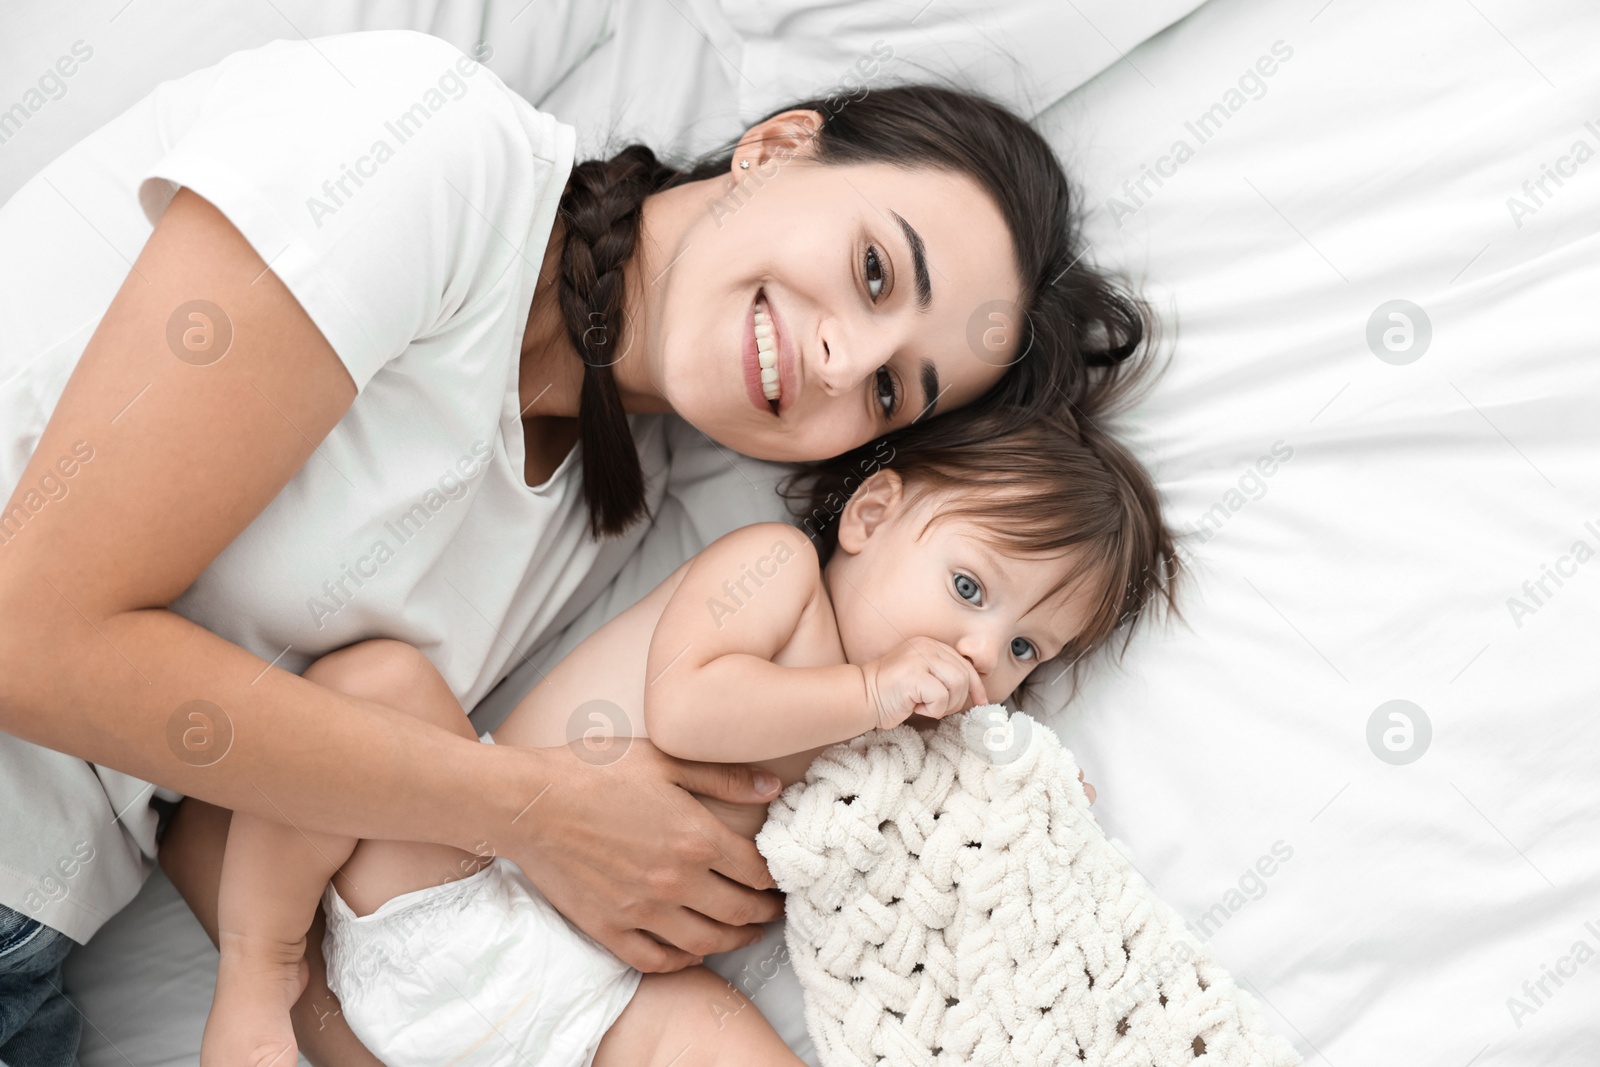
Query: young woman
x=369, y=356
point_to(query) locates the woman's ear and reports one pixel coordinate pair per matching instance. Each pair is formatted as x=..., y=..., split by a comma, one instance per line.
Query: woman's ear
x=877, y=501
x=785, y=136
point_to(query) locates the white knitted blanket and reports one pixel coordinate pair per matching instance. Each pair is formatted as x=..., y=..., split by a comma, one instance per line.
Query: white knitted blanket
x=951, y=900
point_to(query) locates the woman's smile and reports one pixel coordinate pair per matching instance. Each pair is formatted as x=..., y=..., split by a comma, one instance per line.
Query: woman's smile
x=768, y=359
x=781, y=331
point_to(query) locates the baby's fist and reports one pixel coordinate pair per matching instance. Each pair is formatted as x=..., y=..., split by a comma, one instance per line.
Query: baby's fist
x=921, y=677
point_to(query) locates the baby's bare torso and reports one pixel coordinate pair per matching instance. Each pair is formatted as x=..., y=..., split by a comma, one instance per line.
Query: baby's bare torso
x=598, y=689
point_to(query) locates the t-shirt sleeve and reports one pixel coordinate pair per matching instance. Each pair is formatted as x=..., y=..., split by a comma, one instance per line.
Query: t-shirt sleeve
x=385, y=177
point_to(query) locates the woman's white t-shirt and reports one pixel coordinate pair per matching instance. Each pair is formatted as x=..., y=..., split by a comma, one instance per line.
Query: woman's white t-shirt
x=405, y=196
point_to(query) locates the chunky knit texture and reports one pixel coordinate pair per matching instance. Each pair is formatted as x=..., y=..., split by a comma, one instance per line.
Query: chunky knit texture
x=951, y=900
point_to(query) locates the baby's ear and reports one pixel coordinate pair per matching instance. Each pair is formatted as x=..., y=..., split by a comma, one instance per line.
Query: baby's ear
x=878, y=500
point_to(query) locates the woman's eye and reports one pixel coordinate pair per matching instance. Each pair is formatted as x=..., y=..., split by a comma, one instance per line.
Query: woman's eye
x=884, y=390
x=967, y=589
x=873, y=273
x=1022, y=648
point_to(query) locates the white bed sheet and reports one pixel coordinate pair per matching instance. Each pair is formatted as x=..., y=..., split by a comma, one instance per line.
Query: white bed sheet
x=126, y=49
x=1375, y=565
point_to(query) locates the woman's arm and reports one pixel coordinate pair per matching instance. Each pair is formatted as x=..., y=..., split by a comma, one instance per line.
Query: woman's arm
x=92, y=663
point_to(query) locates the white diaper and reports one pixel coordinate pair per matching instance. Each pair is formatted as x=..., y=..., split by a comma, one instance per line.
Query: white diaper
x=479, y=971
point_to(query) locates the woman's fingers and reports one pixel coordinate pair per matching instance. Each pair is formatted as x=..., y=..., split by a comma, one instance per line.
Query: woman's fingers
x=644, y=953
x=650, y=937
x=732, y=856
x=688, y=931
x=624, y=851
x=742, y=864
x=726, y=901
x=736, y=856
x=732, y=782
x=656, y=951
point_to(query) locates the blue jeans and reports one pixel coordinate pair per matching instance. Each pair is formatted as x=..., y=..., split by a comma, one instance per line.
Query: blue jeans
x=39, y=1027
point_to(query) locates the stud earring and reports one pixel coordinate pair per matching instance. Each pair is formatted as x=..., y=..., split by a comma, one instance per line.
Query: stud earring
x=744, y=164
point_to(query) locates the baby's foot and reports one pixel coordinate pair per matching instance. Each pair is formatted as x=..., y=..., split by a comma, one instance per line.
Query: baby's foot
x=258, y=981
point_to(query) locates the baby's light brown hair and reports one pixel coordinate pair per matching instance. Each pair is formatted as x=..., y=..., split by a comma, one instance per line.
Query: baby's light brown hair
x=1059, y=486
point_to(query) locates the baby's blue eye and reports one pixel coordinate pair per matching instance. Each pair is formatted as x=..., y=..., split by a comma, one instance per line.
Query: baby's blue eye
x=1022, y=648
x=966, y=588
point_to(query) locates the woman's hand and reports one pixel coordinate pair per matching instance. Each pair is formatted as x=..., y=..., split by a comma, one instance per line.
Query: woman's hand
x=630, y=856
x=1088, y=790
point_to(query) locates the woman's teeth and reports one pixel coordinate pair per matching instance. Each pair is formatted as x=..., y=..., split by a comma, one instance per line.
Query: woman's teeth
x=767, y=353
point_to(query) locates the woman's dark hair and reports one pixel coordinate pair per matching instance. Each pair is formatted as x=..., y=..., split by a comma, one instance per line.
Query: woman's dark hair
x=601, y=209
x=1077, y=327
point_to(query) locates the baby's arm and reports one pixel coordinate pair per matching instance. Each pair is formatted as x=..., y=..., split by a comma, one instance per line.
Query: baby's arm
x=712, y=689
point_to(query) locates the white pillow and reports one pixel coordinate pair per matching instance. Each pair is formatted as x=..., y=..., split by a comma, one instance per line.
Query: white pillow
x=688, y=76
x=131, y=48
x=1026, y=53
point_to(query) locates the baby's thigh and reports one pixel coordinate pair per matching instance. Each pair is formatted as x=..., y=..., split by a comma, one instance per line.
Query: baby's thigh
x=379, y=871
x=396, y=675
x=399, y=677
x=692, y=1018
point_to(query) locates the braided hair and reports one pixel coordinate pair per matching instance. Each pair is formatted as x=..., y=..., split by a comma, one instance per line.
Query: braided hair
x=601, y=208
x=1078, y=328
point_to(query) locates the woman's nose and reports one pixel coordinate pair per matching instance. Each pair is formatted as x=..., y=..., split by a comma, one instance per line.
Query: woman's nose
x=844, y=365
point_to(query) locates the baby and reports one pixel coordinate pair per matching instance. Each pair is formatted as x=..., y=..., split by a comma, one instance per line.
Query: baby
x=949, y=576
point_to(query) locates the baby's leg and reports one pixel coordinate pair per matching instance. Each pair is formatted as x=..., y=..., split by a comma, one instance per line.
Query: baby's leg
x=692, y=1018
x=272, y=879
x=273, y=875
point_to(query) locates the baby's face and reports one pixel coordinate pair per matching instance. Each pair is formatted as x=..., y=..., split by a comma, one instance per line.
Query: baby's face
x=897, y=576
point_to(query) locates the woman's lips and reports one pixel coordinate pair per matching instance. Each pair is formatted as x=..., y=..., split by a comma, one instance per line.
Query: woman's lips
x=789, y=386
x=752, y=360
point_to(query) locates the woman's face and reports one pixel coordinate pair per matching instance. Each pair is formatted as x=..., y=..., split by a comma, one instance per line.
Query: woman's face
x=889, y=293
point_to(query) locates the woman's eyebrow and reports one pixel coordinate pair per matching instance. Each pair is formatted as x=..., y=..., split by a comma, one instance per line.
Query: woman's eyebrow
x=930, y=389
x=919, y=263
